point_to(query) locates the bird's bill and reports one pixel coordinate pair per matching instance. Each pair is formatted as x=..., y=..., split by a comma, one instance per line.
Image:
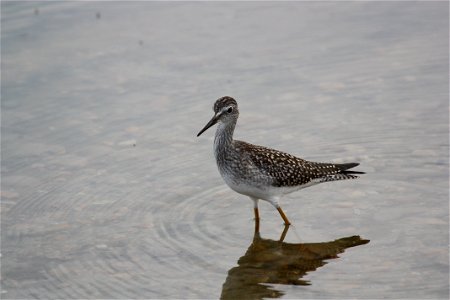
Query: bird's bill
x=211, y=122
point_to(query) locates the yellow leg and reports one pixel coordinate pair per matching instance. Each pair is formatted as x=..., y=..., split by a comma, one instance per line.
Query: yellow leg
x=256, y=222
x=283, y=234
x=283, y=216
x=256, y=210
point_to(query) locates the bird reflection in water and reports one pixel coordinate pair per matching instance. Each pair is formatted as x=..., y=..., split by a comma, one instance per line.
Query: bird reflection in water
x=277, y=262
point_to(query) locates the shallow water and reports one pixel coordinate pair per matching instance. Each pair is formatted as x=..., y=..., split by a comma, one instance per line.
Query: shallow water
x=107, y=193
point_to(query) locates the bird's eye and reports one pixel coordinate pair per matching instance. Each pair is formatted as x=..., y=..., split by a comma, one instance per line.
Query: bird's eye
x=230, y=110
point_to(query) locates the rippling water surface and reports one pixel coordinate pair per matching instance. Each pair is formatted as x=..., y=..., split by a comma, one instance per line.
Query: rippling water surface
x=106, y=192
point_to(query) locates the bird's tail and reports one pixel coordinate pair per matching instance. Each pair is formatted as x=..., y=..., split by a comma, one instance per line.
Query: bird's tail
x=343, y=173
x=345, y=168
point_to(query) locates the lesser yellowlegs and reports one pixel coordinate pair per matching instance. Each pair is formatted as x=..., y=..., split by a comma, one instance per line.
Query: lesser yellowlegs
x=260, y=172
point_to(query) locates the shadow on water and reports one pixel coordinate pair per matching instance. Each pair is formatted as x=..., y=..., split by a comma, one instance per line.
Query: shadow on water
x=277, y=262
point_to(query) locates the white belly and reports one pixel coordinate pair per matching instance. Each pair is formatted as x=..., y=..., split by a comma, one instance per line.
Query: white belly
x=262, y=192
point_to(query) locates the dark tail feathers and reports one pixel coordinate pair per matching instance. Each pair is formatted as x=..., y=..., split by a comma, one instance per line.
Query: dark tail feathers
x=345, y=168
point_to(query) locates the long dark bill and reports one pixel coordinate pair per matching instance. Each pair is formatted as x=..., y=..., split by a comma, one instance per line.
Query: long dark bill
x=210, y=123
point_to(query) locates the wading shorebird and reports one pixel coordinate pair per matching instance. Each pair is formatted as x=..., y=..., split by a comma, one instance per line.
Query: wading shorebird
x=263, y=173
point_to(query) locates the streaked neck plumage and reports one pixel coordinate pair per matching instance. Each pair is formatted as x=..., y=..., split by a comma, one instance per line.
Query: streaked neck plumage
x=223, y=140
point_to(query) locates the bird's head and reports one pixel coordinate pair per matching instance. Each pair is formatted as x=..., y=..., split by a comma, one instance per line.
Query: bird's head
x=225, y=111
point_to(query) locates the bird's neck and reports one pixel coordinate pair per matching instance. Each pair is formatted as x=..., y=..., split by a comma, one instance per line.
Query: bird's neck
x=224, y=137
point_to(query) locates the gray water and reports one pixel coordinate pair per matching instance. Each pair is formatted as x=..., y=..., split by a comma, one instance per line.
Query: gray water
x=106, y=191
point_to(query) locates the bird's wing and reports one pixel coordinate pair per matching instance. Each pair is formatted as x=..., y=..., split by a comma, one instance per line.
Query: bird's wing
x=287, y=170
